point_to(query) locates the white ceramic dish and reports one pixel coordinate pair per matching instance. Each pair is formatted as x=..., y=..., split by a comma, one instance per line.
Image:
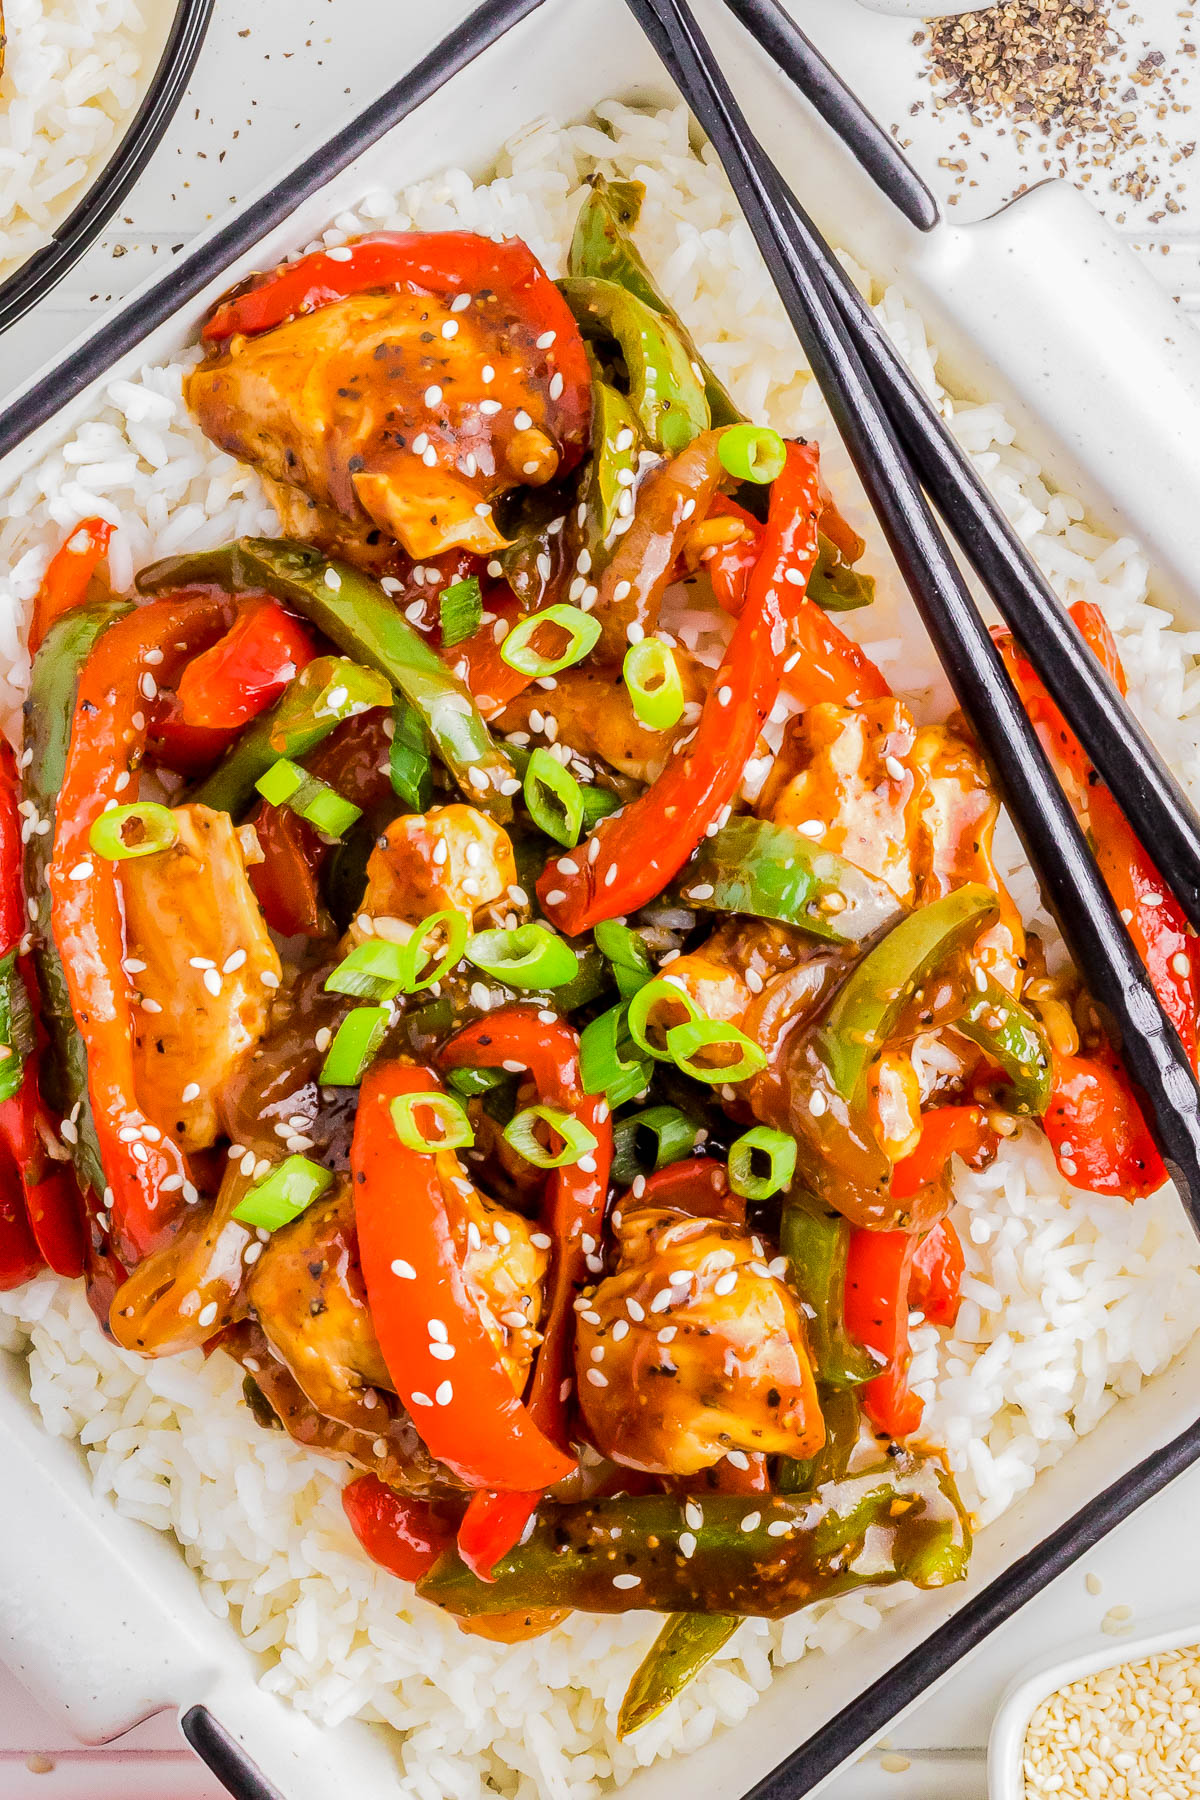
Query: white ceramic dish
x=1038, y=308
x=1006, y=1743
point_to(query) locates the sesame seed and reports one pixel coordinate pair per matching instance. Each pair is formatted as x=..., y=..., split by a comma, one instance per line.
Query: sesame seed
x=817, y=1103
x=191, y=1092
x=442, y=1352
x=597, y=1379
x=333, y=580
x=489, y=408
x=450, y=328
x=626, y=1581
x=725, y=1284
x=752, y=1521
x=419, y=1399
x=207, y=1314
x=522, y=421
x=546, y=339
x=444, y=1393
x=433, y=396
x=779, y=1528
x=81, y=871
x=687, y=1544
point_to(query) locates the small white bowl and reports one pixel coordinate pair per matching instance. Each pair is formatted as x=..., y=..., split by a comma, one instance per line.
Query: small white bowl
x=1006, y=1743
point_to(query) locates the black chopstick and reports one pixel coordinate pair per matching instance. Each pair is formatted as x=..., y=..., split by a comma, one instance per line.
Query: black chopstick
x=1056, y=847
x=795, y=53
x=1149, y=794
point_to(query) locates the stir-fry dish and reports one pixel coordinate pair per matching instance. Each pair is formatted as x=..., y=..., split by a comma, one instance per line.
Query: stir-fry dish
x=499, y=962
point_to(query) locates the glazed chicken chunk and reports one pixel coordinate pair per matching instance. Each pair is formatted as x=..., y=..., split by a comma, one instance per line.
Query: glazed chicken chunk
x=451, y=859
x=204, y=968
x=393, y=408
x=692, y=1348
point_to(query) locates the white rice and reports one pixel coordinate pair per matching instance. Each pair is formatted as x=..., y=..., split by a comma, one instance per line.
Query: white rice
x=74, y=71
x=1070, y=1301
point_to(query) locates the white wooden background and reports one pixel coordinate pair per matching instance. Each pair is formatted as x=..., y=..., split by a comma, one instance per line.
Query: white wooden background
x=275, y=77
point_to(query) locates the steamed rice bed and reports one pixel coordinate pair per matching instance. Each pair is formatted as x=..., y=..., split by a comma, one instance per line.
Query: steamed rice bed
x=1070, y=1301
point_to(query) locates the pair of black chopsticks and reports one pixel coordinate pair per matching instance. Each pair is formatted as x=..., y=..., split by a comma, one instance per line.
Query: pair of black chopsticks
x=900, y=448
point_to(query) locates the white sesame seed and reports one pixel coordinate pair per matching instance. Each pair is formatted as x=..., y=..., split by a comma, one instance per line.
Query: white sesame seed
x=752, y=1521
x=687, y=1544
x=725, y=1284
x=419, y=1399
x=81, y=871
x=433, y=396
x=597, y=1379
x=489, y=408
x=626, y=1581
x=207, y=1314
x=444, y=1393
x=522, y=420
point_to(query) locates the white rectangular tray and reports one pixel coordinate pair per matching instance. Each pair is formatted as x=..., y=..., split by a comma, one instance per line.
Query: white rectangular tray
x=1038, y=308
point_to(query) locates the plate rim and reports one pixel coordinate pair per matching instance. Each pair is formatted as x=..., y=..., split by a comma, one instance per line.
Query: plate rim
x=40, y=273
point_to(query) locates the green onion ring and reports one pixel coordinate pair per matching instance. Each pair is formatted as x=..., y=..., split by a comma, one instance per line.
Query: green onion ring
x=444, y=1110
x=358, y=1038
x=658, y=992
x=653, y=684
x=578, y=1141
x=283, y=1194
x=626, y=950
x=674, y=1137
x=752, y=453
x=683, y=1041
x=413, y=955
x=602, y=1068
x=524, y=956
x=583, y=634
x=777, y=1146
x=156, y=824
x=554, y=798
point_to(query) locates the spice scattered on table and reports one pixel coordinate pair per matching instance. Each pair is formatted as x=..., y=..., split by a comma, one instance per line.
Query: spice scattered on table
x=1129, y=1731
x=1084, y=94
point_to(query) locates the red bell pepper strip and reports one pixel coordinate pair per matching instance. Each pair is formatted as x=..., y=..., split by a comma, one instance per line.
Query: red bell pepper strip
x=478, y=660
x=946, y=1131
x=878, y=1266
x=634, y=854
x=1095, y=1127
x=65, y=583
x=464, y=1407
x=445, y=263
x=937, y=1271
x=246, y=670
x=20, y=1258
x=108, y=736
x=52, y=1205
x=829, y=666
x=574, y=1221
x=402, y=1535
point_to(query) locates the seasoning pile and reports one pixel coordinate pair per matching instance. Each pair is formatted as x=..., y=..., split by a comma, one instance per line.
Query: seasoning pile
x=1131, y=1732
x=1084, y=94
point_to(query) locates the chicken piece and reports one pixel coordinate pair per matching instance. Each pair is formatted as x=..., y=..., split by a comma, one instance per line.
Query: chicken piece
x=593, y=715
x=505, y=1270
x=957, y=816
x=692, y=1348
x=204, y=968
x=452, y=859
x=376, y=405
x=850, y=770
x=308, y=1293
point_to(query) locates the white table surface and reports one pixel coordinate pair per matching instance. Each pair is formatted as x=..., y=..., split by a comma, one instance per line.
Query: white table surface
x=274, y=79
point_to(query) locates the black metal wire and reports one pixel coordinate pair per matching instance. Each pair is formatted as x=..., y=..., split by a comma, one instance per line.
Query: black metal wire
x=882, y=158
x=47, y=266
x=1053, y=841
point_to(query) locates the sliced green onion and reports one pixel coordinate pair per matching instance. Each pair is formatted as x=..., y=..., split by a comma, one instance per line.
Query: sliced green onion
x=142, y=829
x=461, y=608
x=780, y=1151
x=523, y=956
x=684, y=1041
x=446, y=1114
x=474, y=1083
x=283, y=1195
x=408, y=758
x=554, y=798
x=672, y=1137
x=420, y=968
x=652, y=680
x=602, y=1068
x=287, y=784
x=627, y=953
x=582, y=632
x=17, y=1038
x=651, y=994
x=598, y=802
x=752, y=453
x=520, y=1134
x=358, y=1039
x=372, y=971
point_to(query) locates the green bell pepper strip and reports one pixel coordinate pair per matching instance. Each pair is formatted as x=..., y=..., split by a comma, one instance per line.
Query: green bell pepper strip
x=622, y=1554
x=773, y=872
x=684, y=1645
x=617, y=442
x=870, y=1000
x=326, y=691
x=664, y=390
x=843, y=1431
x=603, y=247
x=815, y=1240
x=355, y=614
x=49, y=711
x=1011, y=1036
